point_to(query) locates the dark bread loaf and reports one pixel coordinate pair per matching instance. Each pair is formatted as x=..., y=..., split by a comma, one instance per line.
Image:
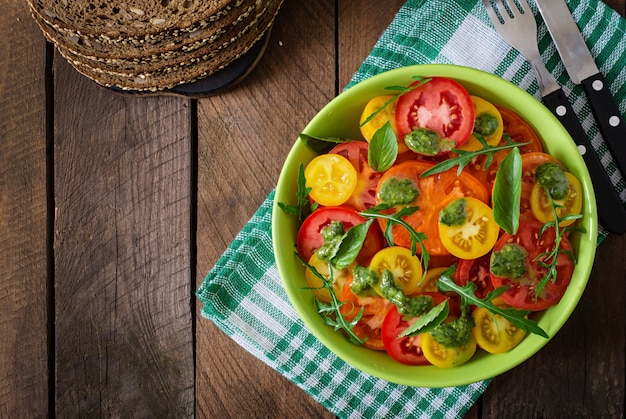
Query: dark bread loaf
x=180, y=71
x=152, y=45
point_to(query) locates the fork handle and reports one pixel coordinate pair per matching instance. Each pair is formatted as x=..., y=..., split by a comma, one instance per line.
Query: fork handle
x=611, y=211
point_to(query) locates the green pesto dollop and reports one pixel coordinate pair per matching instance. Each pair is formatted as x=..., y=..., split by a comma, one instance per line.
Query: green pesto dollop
x=425, y=141
x=363, y=280
x=552, y=177
x=509, y=261
x=456, y=333
x=485, y=124
x=332, y=235
x=411, y=306
x=396, y=191
x=454, y=213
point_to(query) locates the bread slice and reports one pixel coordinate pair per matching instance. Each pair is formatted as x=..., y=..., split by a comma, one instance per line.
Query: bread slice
x=129, y=19
x=181, y=72
x=152, y=56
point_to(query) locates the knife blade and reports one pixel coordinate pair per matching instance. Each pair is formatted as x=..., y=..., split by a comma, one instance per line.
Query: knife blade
x=582, y=69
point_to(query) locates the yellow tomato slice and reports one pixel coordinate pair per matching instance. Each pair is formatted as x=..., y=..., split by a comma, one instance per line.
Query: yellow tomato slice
x=483, y=108
x=384, y=108
x=332, y=179
x=572, y=204
x=494, y=333
x=340, y=276
x=429, y=283
x=475, y=236
x=446, y=357
x=406, y=268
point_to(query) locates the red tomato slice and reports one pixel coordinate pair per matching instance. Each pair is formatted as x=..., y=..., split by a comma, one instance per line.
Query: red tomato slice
x=310, y=234
x=476, y=271
x=375, y=309
x=364, y=194
x=436, y=192
x=521, y=292
x=441, y=105
x=407, y=349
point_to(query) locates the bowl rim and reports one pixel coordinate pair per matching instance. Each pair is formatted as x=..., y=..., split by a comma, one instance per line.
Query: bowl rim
x=532, y=343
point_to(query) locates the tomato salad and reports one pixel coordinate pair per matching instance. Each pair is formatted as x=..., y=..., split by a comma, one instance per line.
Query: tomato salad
x=443, y=232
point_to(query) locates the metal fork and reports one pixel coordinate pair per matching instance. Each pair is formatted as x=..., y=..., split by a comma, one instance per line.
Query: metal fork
x=518, y=28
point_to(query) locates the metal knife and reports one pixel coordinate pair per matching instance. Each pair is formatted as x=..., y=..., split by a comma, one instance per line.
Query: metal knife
x=582, y=69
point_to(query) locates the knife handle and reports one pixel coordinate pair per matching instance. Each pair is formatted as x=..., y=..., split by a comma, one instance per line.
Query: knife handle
x=608, y=117
x=611, y=210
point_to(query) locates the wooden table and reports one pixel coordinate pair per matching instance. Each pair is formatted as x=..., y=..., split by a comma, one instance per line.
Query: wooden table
x=113, y=209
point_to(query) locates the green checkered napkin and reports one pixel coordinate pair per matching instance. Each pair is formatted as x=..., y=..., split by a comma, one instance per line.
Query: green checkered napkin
x=243, y=294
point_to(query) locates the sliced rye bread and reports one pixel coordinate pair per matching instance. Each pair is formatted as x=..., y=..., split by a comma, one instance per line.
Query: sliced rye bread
x=180, y=74
x=129, y=19
x=128, y=57
x=96, y=48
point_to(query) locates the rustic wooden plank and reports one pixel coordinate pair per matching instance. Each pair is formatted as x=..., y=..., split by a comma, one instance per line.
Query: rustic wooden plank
x=124, y=340
x=244, y=137
x=23, y=207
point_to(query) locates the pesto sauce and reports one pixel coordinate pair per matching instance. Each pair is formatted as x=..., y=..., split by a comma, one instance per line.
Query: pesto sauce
x=552, y=177
x=332, y=235
x=509, y=262
x=425, y=141
x=363, y=280
x=396, y=191
x=411, y=306
x=454, y=213
x=485, y=124
x=456, y=333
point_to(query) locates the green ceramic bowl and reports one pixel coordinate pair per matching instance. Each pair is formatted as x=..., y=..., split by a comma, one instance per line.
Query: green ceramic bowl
x=340, y=118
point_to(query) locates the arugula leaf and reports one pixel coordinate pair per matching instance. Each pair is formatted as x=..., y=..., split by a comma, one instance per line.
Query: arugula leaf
x=383, y=148
x=507, y=191
x=303, y=208
x=517, y=317
x=331, y=312
x=465, y=157
x=320, y=145
x=429, y=320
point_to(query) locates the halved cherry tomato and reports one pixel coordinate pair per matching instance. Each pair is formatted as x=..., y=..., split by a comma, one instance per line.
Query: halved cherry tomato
x=440, y=105
x=446, y=356
x=405, y=267
x=339, y=278
x=382, y=116
x=375, y=308
x=475, y=236
x=484, y=109
x=435, y=192
x=521, y=292
x=530, y=162
x=571, y=204
x=332, y=179
x=494, y=333
x=364, y=194
x=476, y=271
x=310, y=234
x=407, y=349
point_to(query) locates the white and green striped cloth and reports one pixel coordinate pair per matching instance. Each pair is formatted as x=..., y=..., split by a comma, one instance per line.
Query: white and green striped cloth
x=243, y=294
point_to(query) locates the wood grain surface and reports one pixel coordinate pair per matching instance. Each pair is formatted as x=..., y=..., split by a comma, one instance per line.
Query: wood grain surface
x=113, y=208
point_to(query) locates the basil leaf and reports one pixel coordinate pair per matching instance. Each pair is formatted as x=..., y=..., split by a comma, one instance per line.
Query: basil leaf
x=427, y=322
x=320, y=145
x=383, y=148
x=507, y=192
x=351, y=245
